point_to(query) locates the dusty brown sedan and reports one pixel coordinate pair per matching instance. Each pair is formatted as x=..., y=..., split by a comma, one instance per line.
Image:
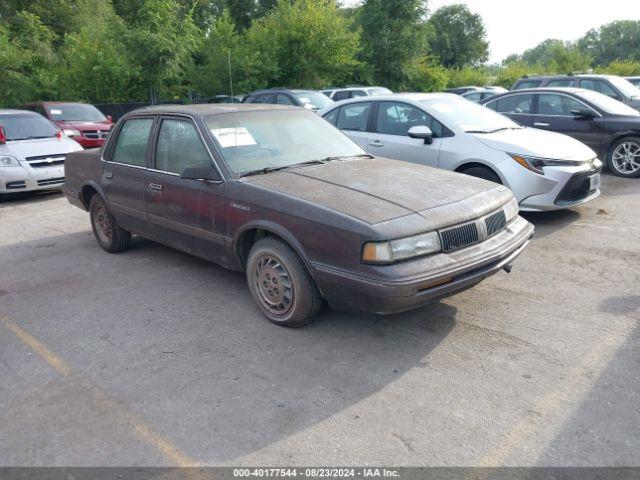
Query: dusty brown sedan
x=284, y=196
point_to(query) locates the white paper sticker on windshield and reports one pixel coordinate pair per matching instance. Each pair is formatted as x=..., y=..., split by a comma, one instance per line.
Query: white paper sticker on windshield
x=233, y=137
x=55, y=111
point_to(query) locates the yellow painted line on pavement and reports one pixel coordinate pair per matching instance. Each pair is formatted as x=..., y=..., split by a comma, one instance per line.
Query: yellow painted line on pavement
x=143, y=431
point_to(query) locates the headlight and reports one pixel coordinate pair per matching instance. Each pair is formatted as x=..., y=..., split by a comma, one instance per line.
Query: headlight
x=394, y=250
x=511, y=210
x=535, y=164
x=8, y=161
x=72, y=133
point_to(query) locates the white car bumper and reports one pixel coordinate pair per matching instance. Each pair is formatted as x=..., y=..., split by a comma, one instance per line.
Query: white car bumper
x=26, y=178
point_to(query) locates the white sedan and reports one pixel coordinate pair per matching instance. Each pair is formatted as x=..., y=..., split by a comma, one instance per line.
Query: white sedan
x=545, y=170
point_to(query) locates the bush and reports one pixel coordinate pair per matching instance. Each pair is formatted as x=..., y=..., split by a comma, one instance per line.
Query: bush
x=460, y=77
x=427, y=75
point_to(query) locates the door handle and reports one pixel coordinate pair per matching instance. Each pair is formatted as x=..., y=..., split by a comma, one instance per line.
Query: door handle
x=108, y=175
x=155, y=187
x=540, y=124
x=376, y=143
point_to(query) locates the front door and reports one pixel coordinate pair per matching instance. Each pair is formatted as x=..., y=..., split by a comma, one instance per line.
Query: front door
x=124, y=174
x=554, y=114
x=390, y=136
x=353, y=119
x=185, y=214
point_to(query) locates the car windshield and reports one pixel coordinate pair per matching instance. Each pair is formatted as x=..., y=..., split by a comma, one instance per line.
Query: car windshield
x=315, y=100
x=469, y=116
x=269, y=139
x=627, y=88
x=608, y=104
x=75, y=112
x=25, y=126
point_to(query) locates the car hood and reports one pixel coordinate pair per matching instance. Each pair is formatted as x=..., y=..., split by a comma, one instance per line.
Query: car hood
x=85, y=125
x=22, y=149
x=536, y=143
x=379, y=190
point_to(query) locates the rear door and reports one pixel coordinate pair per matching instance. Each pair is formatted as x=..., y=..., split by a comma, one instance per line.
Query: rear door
x=390, y=138
x=519, y=107
x=185, y=214
x=124, y=173
x=554, y=114
x=353, y=119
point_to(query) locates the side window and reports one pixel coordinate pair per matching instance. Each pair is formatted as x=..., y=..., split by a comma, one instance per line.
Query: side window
x=514, y=104
x=354, y=117
x=332, y=116
x=474, y=97
x=395, y=118
x=283, y=100
x=599, y=86
x=358, y=93
x=131, y=144
x=567, y=82
x=179, y=147
x=527, y=84
x=341, y=95
x=558, y=105
x=264, y=98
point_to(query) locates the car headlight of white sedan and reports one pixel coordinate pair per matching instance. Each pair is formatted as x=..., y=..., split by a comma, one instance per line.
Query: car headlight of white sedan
x=535, y=164
x=8, y=161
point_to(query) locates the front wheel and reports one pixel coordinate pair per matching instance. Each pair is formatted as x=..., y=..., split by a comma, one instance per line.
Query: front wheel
x=110, y=236
x=281, y=285
x=624, y=157
x=484, y=173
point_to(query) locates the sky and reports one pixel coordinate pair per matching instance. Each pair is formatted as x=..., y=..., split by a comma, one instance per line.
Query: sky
x=516, y=25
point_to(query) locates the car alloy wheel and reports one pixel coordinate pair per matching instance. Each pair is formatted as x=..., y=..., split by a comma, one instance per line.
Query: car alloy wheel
x=273, y=284
x=626, y=158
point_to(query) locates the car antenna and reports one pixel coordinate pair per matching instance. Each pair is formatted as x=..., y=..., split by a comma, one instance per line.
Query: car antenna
x=230, y=77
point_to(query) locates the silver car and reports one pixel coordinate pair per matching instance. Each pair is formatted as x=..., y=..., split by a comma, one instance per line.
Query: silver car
x=545, y=170
x=32, y=152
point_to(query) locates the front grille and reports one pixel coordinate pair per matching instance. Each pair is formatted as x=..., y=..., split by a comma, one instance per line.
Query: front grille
x=46, y=160
x=458, y=237
x=15, y=185
x=96, y=134
x=495, y=222
x=577, y=188
x=51, y=181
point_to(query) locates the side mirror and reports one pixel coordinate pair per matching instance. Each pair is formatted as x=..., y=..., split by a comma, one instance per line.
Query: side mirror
x=200, y=173
x=422, y=131
x=582, y=113
x=3, y=137
x=110, y=118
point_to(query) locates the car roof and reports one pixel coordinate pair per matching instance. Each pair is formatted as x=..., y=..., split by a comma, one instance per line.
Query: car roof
x=410, y=96
x=13, y=111
x=202, y=109
x=571, y=75
x=575, y=90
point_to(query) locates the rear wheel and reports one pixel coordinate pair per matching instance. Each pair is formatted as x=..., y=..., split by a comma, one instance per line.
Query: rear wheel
x=624, y=157
x=110, y=236
x=281, y=285
x=484, y=173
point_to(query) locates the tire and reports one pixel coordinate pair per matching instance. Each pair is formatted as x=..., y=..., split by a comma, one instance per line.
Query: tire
x=109, y=235
x=281, y=285
x=484, y=173
x=623, y=158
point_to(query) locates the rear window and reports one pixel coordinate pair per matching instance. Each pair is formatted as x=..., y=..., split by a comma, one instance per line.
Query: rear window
x=131, y=144
x=527, y=84
x=25, y=126
x=568, y=82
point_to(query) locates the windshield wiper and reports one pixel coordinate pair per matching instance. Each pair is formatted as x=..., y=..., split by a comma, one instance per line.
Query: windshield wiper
x=319, y=161
x=494, y=130
x=261, y=171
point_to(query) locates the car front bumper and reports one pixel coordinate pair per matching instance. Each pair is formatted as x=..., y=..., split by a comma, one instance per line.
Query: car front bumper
x=465, y=268
x=553, y=190
x=26, y=178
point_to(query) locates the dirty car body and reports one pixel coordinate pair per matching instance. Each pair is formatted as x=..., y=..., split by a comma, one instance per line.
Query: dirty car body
x=372, y=234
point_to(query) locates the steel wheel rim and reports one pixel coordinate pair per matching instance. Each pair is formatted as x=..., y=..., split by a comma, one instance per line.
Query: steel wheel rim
x=102, y=222
x=274, y=285
x=626, y=157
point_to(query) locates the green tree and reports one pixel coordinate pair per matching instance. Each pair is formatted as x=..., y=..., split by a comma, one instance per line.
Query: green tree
x=303, y=43
x=393, y=35
x=425, y=74
x=623, y=68
x=618, y=40
x=161, y=41
x=458, y=36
